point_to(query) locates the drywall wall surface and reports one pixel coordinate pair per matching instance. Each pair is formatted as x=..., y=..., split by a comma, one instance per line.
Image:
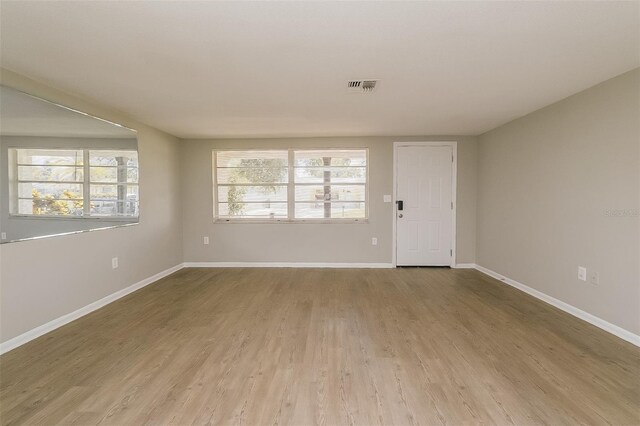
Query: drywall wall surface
x=312, y=242
x=44, y=279
x=559, y=188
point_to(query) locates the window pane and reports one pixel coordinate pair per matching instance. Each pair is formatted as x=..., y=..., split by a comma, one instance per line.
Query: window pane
x=114, y=192
x=335, y=174
x=252, y=158
x=113, y=158
x=26, y=207
x=339, y=210
x=332, y=157
x=49, y=156
x=235, y=194
x=253, y=175
x=50, y=206
x=114, y=208
x=257, y=210
x=114, y=174
x=337, y=193
x=50, y=190
x=48, y=173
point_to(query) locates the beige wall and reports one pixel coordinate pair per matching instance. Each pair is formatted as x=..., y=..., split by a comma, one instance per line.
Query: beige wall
x=41, y=280
x=304, y=242
x=546, y=182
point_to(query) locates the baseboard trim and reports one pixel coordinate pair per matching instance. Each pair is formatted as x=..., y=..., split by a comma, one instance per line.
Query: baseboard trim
x=465, y=266
x=65, y=319
x=284, y=265
x=570, y=309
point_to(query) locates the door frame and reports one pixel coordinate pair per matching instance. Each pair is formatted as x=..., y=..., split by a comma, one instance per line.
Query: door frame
x=454, y=190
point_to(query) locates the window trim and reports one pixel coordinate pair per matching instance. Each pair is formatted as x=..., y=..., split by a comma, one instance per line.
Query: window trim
x=86, y=183
x=291, y=188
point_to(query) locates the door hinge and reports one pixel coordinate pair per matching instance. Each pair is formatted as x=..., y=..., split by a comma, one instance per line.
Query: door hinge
x=452, y=205
x=451, y=252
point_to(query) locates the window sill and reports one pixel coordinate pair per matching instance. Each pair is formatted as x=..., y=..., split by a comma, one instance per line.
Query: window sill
x=128, y=219
x=362, y=221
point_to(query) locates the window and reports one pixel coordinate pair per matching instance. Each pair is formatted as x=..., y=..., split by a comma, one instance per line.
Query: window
x=75, y=183
x=252, y=184
x=290, y=184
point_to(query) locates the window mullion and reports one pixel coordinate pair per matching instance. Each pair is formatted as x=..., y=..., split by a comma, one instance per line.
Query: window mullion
x=86, y=190
x=291, y=189
x=214, y=164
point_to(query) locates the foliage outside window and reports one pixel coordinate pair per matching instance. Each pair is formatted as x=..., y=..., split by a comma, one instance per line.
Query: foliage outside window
x=291, y=184
x=75, y=183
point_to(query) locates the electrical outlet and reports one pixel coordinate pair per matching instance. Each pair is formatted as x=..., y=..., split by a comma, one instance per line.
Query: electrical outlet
x=114, y=263
x=206, y=241
x=594, y=278
x=582, y=273
x=3, y=235
x=374, y=241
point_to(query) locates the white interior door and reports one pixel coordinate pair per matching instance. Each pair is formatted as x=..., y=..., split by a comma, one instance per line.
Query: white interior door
x=424, y=205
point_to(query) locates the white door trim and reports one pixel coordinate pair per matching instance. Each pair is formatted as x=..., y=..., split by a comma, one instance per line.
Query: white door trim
x=454, y=187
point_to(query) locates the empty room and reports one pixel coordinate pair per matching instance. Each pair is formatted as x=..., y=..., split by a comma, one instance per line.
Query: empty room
x=319, y=212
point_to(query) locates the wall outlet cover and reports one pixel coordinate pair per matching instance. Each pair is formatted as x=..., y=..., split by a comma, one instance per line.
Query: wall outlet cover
x=582, y=273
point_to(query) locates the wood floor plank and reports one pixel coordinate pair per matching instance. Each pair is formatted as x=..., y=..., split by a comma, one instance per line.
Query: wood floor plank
x=323, y=346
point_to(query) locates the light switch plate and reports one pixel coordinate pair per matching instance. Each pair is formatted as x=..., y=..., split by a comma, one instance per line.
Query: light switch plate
x=386, y=198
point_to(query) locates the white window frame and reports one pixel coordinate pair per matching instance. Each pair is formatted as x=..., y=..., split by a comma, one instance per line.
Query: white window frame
x=86, y=186
x=291, y=187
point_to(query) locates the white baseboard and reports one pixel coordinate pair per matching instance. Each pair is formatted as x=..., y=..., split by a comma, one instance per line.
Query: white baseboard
x=465, y=266
x=283, y=265
x=591, y=319
x=65, y=319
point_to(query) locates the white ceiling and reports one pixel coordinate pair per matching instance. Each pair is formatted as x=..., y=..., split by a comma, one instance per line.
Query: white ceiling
x=241, y=69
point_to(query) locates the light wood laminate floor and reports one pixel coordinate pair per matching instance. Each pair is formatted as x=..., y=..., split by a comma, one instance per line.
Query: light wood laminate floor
x=323, y=346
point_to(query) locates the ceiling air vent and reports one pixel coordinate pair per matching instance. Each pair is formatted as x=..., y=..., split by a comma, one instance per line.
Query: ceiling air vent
x=361, y=86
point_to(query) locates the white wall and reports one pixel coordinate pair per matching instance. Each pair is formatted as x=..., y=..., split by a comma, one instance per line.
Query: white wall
x=41, y=280
x=304, y=242
x=546, y=184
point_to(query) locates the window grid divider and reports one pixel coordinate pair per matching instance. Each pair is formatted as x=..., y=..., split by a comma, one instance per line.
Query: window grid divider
x=86, y=191
x=291, y=187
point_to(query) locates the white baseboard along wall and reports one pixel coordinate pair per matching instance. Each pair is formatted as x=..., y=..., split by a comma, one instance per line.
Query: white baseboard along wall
x=570, y=309
x=65, y=319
